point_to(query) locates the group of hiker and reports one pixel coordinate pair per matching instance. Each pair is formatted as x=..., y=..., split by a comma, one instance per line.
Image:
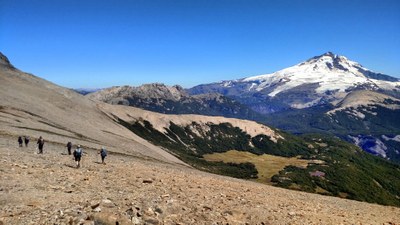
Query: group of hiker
x=78, y=152
x=26, y=139
x=22, y=140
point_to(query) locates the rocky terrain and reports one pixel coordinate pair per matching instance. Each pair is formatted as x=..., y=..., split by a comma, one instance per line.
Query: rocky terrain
x=32, y=106
x=363, y=117
x=141, y=182
x=366, y=98
x=48, y=189
x=326, y=94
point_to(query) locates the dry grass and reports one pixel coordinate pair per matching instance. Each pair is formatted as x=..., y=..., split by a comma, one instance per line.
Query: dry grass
x=320, y=190
x=266, y=165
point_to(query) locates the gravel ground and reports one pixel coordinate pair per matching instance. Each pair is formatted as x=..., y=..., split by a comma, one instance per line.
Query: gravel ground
x=49, y=189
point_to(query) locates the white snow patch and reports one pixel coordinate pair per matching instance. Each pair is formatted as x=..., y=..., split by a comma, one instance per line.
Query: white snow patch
x=305, y=105
x=356, y=114
x=323, y=72
x=395, y=138
x=380, y=148
x=356, y=140
x=227, y=84
x=253, y=85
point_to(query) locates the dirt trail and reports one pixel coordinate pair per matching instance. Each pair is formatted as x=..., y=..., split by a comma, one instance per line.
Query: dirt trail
x=48, y=189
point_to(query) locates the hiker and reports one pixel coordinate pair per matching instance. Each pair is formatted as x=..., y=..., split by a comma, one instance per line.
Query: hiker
x=103, y=153
x=78, y=155
x=40, y=144
x=69, y=146
x=20, y=141
x=26, y=140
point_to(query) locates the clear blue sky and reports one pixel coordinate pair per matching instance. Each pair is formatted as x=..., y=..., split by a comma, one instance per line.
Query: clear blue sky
x=96, y=43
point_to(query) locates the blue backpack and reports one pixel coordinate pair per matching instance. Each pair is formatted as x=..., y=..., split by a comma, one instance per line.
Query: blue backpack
x=103, y=152
x=78, y=152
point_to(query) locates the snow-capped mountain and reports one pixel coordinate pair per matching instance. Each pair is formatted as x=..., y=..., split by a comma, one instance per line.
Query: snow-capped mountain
x=325, y=94
x=331, y=72
x=321, y=79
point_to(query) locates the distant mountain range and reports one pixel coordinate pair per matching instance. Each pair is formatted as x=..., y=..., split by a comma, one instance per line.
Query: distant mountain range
x=174, y=100
x=32, y=106
x=325, y=94
x=342, y=169
x=323, y=79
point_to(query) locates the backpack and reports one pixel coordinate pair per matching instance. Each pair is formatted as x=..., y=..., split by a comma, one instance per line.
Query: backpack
x=78, y=152
x=103, y=152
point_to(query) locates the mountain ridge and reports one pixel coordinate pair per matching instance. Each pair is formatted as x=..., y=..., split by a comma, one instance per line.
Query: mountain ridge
x=174, y=100
x=322, y=79
x=319, y=112
x=32, y=106
x=5, y=62
x=302, y=98
x=142, y=182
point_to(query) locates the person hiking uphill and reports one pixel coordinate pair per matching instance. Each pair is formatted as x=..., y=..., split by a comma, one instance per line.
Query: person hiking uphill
x=40, y=144
x=26, y=140
x=69, y=146
x=78, y=155
x=103, y=154
x=20, y=141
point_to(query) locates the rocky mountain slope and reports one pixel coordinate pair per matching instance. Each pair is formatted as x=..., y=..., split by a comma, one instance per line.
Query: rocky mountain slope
x=322, y=79
x=192, y=137
x=174, y=100
x=357, y=99
x=375, y=116
x=307, y=98
x=47, y=189
x=144, y=182
x=325, y=94
x=366, y=118
x=32, y=106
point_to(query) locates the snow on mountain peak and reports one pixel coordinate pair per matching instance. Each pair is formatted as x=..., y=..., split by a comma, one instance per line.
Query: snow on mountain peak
x=330, y=71
x=332, y=62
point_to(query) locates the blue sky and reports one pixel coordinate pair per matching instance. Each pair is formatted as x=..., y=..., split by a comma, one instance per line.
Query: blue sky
x=104, y=43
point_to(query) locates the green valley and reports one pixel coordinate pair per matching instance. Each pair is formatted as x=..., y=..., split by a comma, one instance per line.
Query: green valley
x=312, y=163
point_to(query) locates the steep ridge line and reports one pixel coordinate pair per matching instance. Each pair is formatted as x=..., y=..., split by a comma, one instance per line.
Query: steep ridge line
x=61, y=115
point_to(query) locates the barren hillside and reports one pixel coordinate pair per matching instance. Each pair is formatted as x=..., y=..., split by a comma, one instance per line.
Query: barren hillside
x=47, y=189
x=141, y=183
x=32, y=106
x=162, y=121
